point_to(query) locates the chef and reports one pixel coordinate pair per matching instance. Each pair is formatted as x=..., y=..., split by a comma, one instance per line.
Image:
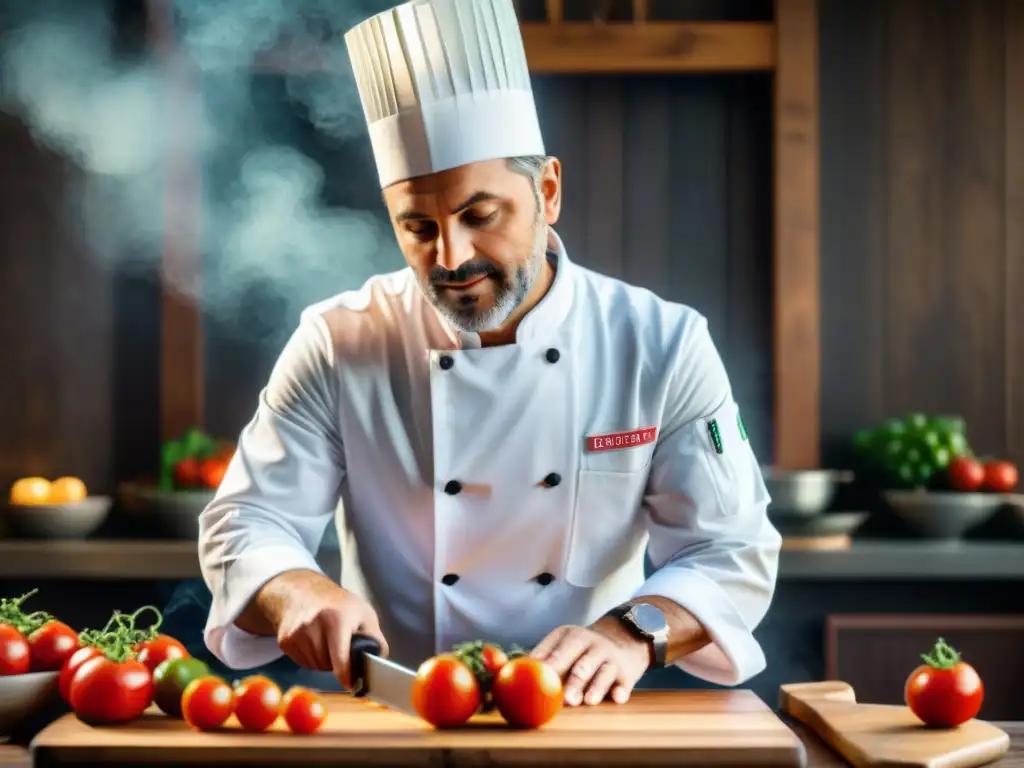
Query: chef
x=498, y=433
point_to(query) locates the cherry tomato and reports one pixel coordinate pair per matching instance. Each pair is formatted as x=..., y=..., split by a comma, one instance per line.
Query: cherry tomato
x=527, y=692
x=212, y=472
x=105, y=692
x=494, y=658
x=207, y=703
x=257, y=703
x=153, y=653
x=445, y=692
x=71, y=666
x=187, y=473
x=15, y=653
x=1001, y=476
x=304, y=711
x=944, y=691
x=52, y=645
x=965, y=474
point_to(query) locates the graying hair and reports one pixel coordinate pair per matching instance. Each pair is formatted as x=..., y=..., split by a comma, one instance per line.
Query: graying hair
x=532, y=167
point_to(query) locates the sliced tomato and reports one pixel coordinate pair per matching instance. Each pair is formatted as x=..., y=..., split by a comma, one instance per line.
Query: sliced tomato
x=15, y=652
x=527, y=692
x=155, y=652
x=304, y=711
x=105, y=692
x=257, y=703
x=445, y=692
x=52, y=645
x=71, y=666
x=207, y=703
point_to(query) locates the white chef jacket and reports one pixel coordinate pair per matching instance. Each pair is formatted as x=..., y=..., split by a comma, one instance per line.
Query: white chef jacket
x=473, y=502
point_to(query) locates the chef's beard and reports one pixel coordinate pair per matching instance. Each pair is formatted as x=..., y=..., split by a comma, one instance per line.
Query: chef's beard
x=510, y=288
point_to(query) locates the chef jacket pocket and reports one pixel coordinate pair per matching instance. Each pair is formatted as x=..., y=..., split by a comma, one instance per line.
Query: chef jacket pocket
x=607, y=526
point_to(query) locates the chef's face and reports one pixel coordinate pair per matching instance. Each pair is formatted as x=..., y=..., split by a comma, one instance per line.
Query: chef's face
x=476, y=237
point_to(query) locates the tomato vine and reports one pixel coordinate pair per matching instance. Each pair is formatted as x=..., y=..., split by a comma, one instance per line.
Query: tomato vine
x=120, y=639
x=942, y=656
x=26, y=623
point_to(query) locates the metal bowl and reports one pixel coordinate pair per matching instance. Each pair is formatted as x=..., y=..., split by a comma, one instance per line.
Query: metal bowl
x=74, y=520
x=804, y=492
x=21, y=696
x=943, y=515
x=173, y=514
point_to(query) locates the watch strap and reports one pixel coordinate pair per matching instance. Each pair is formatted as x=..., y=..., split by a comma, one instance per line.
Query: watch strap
x=659, y=645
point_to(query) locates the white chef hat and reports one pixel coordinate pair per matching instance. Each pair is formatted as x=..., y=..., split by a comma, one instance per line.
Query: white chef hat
x=443, y=83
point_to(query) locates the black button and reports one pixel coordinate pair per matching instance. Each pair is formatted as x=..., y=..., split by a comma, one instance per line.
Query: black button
x=552, y=355
x=452, y=487
x=552, y=480
x=544, y=579
x=449, y=579
x=446, y=361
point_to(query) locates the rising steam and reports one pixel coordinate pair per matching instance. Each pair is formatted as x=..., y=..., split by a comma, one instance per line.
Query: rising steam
x=263, y=218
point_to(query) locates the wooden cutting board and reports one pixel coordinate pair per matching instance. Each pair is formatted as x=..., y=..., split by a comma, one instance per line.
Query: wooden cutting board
x=870, y=735
x=655, y=728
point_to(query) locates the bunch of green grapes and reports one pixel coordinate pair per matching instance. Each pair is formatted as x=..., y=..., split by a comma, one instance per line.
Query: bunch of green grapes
x=914, y=451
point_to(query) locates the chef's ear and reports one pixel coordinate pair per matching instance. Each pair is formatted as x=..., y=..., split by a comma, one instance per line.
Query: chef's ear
x=551, y=189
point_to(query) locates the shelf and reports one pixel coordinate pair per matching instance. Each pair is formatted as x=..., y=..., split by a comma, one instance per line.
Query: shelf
x=865, y=560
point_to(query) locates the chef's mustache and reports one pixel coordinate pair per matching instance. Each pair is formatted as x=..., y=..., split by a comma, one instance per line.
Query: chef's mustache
x=469, y=270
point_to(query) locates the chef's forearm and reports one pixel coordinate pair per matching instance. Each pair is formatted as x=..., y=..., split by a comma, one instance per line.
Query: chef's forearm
x=263, y=613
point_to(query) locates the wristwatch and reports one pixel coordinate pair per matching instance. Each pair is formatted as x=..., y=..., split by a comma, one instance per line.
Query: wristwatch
x=647, y=622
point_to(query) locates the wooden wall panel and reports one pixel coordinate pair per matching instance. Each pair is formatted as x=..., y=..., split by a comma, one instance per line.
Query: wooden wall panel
x=921, y=209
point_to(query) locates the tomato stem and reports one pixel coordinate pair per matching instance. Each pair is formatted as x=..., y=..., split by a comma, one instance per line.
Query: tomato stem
x=942, y=656
x=120, y=638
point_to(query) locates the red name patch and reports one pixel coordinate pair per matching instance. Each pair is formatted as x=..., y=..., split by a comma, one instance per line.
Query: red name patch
x=616, y=441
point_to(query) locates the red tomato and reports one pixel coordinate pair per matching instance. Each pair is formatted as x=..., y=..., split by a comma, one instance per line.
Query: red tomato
x=257, y=703
x=207, y=702
x=527, y=692
x=212, y=472
x=965, y=474
x=153, y=653
x=187, y=473
x=15, y=653
x=494, y=658
x=445, y=692
x=71, y=666
x=52, y=645
x=944, y=691
x=105, y=692
x=1001, y=476
x=304, y=711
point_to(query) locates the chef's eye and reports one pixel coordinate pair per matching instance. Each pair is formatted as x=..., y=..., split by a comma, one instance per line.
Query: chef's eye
x=422, y=230
x=479, y=218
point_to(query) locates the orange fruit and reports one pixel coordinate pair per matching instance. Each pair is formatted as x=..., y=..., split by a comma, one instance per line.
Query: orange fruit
x=31, y=490
x=67, y=490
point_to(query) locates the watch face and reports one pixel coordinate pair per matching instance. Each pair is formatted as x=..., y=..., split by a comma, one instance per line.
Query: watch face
x=649, y=619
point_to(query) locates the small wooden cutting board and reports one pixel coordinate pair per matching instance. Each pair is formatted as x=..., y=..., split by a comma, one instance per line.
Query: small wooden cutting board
x=655, y=728
x=873, y=735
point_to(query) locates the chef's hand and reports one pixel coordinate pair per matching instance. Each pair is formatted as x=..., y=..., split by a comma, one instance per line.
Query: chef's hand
x=604, y=658
x=316, y=619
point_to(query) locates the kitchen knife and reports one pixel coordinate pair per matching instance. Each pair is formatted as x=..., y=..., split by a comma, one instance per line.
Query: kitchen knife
x=375, y=677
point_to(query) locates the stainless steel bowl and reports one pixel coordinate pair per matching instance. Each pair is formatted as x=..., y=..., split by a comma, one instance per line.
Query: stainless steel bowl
x=804, y=492
x=945, y=515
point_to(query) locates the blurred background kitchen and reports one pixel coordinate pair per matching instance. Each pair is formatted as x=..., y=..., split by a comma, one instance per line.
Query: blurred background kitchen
x=837, y=185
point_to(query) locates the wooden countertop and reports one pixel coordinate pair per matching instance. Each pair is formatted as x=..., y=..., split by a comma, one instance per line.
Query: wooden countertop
x=818, y=755
x=864, y=560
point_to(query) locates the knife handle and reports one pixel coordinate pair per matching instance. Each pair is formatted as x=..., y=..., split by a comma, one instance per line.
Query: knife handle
x=361, y=645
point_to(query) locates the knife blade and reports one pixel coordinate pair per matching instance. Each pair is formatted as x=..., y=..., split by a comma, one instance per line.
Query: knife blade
x=378, y=678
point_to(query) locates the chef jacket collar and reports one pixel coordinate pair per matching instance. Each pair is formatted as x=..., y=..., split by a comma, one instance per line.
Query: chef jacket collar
x=542, y=322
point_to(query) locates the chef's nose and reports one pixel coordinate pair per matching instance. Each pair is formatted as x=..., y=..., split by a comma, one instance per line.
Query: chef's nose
x=454, y=247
